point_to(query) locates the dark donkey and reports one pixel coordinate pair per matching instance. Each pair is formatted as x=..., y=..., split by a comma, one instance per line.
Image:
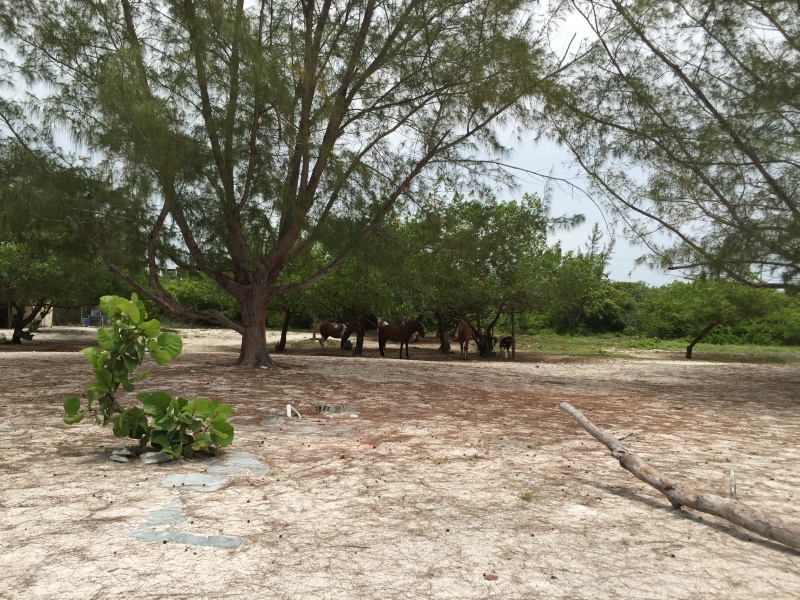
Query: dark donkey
x=399, y=333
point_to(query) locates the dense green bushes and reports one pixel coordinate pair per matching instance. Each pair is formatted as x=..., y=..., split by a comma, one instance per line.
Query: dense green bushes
x=198, y=292
x=680, y=311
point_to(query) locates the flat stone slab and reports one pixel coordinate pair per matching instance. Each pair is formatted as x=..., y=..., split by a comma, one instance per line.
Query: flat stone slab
x=232, y=462
x=191, y=539
x=159, y=524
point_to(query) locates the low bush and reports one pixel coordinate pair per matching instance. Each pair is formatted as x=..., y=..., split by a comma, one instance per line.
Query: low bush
x=173, y=425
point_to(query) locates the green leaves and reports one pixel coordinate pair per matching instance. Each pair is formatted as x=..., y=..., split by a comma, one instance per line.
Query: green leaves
x=170, y=424
x=107, y=338
x=150, y=328
x=203, y=408
x=155, y=403
x=669, y=116
x=130, y=423
x=181, y=427
x=221, y=432
x=72, y=406
x=164, y=348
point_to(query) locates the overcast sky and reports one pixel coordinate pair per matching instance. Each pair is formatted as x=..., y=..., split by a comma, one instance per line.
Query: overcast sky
x=548, y=158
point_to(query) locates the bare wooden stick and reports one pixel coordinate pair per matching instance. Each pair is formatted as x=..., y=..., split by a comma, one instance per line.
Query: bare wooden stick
x=732, y=511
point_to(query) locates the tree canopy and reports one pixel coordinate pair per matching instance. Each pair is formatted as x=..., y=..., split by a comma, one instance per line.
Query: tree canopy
x=43, y=262
x=686, y=117
x=244, y=132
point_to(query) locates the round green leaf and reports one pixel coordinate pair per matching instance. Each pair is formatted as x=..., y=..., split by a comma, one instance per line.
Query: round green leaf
x=201, y=408
x=107, y=338
x=171, y=342
x=221, y=432
x=151, y=328
x=132, y=311
x=166, y=347
x=155, y=403
x=72, y=405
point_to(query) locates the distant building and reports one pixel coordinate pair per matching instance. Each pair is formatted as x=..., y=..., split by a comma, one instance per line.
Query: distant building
x=7, y=315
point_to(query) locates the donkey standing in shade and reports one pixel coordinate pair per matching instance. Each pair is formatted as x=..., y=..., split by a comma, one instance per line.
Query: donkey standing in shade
x=399, y=333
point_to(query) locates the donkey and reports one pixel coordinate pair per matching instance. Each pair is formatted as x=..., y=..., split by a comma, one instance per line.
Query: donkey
x=463, y=335
x=399, y=333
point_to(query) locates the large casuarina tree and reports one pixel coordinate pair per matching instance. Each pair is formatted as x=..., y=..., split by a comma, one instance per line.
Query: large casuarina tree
x=686, y=116
x=246, y=132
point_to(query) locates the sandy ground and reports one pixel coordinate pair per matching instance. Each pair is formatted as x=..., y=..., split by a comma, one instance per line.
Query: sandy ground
x=456, y=479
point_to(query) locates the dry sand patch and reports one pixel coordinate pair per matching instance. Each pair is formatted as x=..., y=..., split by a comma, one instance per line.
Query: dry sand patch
x=452, y=471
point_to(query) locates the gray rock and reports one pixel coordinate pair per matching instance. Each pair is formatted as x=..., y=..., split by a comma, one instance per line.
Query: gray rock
x=118, y=458
x=153, y=458
x=270, y=419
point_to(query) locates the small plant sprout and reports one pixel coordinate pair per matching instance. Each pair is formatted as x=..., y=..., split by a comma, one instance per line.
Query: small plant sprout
x=526, y=496
x=175, y=426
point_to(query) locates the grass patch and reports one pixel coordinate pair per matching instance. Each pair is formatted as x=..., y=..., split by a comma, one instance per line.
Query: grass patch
x=608, y=346
x=526, y=496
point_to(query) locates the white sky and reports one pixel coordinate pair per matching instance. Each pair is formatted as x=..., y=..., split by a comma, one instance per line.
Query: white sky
x=548, y=158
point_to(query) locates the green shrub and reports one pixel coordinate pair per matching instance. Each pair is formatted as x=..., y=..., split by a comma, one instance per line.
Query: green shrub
x=198, y=292
x=175, y=426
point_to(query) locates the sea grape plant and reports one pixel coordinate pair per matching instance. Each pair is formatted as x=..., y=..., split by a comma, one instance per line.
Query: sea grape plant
x=173, y=425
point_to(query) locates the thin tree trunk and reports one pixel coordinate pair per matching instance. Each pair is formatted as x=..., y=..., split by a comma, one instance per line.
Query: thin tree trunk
x=513, y=337
x=699, y=337
x=281, y=345
x=315, y=321
x=359, y=350
x=20, y=322
x=730, y=510
x=444, y=339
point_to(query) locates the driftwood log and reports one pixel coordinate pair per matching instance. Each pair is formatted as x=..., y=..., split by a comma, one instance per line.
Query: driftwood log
x=730, y=510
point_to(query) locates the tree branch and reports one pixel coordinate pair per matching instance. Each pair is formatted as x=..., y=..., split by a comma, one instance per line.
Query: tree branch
x=730, y=510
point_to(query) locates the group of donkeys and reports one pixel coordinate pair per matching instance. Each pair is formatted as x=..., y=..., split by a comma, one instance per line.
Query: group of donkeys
x=404, y=332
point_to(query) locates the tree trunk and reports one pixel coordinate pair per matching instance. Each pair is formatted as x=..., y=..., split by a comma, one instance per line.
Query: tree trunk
x=513, y=337
x=730, y=510
x=359, y=351
x=281, y=345
x=254, y=351
x=699, y=337
x=444, y=339
x=315, y=321
x=19, y=323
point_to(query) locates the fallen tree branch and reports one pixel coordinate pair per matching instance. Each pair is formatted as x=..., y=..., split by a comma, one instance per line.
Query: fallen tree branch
x=729, y=510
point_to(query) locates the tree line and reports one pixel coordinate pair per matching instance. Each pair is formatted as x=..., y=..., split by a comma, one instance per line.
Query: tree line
x=270, y=146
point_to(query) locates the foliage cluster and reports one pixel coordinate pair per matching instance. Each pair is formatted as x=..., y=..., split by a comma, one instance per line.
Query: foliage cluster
x=267, y=143
x=684, y=117
x=734, y=314
x=243, y=133
x=198, y=292
x=169, y=424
